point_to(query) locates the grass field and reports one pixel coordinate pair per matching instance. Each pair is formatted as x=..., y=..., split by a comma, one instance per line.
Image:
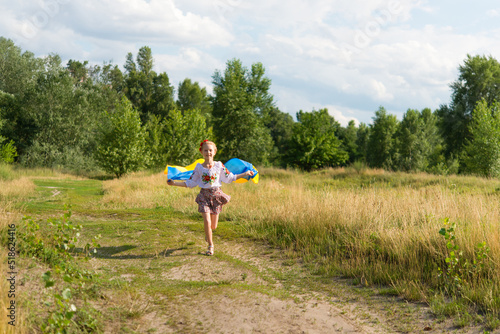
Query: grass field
x=380, y=230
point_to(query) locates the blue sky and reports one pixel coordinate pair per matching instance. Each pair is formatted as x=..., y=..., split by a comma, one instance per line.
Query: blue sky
x=348, y=56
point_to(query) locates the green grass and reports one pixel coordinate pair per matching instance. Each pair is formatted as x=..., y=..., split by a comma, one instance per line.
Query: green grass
x=5, y=172
x=53, y=194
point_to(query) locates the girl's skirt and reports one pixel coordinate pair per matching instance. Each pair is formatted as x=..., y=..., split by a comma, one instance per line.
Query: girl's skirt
x=211, y=200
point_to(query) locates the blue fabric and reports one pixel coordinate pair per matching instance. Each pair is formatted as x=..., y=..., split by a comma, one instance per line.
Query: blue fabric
x=175, y=174
x=238, y=166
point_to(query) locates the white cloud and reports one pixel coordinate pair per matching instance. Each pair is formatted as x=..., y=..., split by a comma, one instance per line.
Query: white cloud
x=339, y=113
x=293, y=101
x=493, y=13
x=188, y=63
x=128, y=20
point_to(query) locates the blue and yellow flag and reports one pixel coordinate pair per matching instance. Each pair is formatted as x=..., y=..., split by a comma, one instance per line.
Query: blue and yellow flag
x=235, y=166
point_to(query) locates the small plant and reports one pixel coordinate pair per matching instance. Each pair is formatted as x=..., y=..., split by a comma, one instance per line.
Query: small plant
x=58, y=249
x=458, y=268
x=453, y=273
x=66, y=234
x=31, y=244
x=60, y=319
x=64, y=239
x=359, y=166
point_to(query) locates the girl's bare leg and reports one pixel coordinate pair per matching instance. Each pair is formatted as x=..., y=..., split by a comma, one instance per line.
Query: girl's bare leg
x=215, y=220
x=208, y=227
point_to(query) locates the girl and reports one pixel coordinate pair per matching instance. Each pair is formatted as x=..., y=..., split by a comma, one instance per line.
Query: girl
x=208, y=176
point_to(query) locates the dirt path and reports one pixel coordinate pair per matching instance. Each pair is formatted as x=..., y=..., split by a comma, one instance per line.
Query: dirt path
x=250, y=311
x=245, y=288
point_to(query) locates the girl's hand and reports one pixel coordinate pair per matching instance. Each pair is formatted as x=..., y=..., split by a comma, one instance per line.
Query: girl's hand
x=170, y=182
x=249, y=172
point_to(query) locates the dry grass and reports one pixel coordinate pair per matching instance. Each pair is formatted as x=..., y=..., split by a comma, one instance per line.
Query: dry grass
x=16, y=190
x=395, y=216
x=385, y=232
x=139, y=190
x=402, y=219
x=12, y=192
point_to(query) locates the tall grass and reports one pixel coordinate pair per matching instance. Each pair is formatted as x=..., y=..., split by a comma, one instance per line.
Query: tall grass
x=139, y=190
x=373, y=220
x=382, y=227
x=12, y=192
x=11, y=172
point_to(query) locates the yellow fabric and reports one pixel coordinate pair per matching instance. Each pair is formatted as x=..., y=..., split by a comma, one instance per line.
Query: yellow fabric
x=185, y=169
x=243, y=180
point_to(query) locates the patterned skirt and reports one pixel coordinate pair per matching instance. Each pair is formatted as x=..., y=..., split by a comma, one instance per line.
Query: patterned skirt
x=211, y=200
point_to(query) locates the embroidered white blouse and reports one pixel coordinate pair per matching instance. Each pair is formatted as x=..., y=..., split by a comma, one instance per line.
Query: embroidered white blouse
x=210, y=177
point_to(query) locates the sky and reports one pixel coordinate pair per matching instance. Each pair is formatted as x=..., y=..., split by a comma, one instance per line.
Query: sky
x=350, y=57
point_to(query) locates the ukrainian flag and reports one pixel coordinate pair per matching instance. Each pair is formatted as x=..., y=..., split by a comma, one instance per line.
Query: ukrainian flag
x=235, y=166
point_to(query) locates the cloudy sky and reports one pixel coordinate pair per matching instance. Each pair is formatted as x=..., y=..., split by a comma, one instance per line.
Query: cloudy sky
x=348, y=56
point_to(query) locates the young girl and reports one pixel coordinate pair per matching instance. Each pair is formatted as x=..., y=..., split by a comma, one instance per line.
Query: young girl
x=208, y=176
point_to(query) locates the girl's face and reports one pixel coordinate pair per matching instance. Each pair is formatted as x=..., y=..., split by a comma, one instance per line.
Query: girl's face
x=208, y=151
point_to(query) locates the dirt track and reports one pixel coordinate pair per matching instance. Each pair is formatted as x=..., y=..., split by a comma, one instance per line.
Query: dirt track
x=248, y=288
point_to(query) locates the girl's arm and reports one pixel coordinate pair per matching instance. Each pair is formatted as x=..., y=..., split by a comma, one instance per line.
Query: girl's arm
x=247, y=173
x=177, y=184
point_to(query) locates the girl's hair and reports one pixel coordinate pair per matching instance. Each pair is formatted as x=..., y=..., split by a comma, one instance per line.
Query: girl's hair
x=207, y=142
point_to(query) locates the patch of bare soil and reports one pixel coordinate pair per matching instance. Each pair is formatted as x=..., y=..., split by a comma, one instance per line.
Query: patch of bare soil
x=247, y=311
x=247, y=296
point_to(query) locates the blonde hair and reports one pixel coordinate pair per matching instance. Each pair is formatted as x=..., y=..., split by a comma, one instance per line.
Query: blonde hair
x=208, y=142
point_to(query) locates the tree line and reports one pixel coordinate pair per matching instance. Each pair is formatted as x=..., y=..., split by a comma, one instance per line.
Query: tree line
x=89, y=118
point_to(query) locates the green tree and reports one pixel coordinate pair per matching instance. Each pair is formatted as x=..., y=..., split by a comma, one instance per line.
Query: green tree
x=482, y=151
x=130, y=63
x=110, y=77
x=362, y=138
x=408, y=141
x=416, y=141
x=314, y=144
x=149, y=92
x=380, y=143
x=145, y=60
x=240, y=102
x=479, y=78
x=156, y=141
x=418, y=145
x=184, y=131
x=122, y=141
x=17, y=68
x=18, y=73
x=7, y=149
x=433, y=147
x=280, y=125
x=174, y=140
x=78, y=70
x=191, y=96
x=348, y=136
x=51, y=112
x=65, y=113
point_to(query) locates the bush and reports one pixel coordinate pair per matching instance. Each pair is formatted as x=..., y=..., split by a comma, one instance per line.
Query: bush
x=122, y=141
